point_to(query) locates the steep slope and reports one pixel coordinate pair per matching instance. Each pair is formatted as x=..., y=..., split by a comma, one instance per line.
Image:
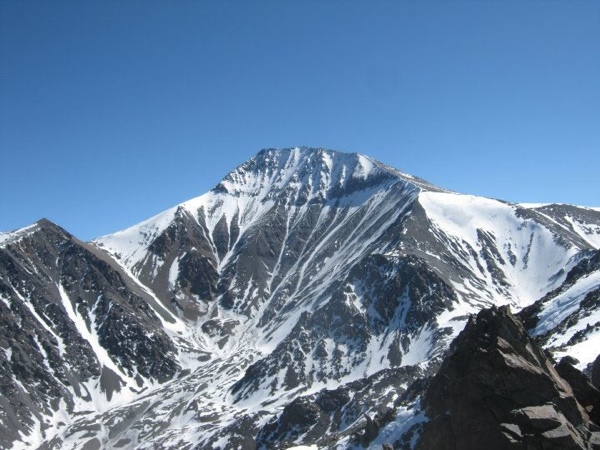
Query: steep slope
x=305, y=276
x=272, y=229
x=491, y=251
x=77, y=334
x=567, y=320
x=582, y=222
x=293, y=266
x=498, y=390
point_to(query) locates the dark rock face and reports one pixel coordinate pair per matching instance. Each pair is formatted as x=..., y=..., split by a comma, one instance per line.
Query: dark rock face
x=596, y=372
x=185, y=243
x=586, y=394
x=47, y=278
x=498, y=390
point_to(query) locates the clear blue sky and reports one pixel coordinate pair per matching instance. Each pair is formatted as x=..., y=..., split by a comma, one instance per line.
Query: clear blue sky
x=113, y=111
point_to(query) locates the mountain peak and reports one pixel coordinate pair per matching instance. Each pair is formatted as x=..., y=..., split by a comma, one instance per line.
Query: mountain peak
x=313, y=175
x=43, y=225
x=304, y=174
x=47, y=224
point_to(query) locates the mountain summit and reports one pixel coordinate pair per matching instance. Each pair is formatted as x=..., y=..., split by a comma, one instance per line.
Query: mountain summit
x=300, y=301
x=265, y=224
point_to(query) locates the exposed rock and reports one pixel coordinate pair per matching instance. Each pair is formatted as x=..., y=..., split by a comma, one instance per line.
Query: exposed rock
x=498, y=390
x=307, y=354
x=596, y=372
x=588, y=264
x=321, y=417
x=47, y=278
x=372, y=426
x=585, y=392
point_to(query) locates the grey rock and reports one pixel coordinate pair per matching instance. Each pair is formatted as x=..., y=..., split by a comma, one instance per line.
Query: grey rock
x=596, y=372
x=540, y=418
x=497, y=389
x=585, y=392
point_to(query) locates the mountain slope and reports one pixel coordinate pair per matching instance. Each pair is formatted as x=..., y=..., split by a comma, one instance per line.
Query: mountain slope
x=306, y=275
x=76, y=331
x=567, y=320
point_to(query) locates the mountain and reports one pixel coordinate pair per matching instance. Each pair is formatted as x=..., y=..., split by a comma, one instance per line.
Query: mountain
x=306, y=299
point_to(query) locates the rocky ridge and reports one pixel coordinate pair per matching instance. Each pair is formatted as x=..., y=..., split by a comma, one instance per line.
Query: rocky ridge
x=497, y=389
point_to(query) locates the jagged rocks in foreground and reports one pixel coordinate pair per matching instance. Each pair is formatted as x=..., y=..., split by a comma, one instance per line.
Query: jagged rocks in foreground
x=498, y=390
x=585, y=392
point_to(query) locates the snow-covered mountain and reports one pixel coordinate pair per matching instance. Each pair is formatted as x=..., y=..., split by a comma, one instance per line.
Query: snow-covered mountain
x=306, y=290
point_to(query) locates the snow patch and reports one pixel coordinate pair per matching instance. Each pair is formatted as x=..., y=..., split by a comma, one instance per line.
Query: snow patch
x=130, y=246
x=15, y=236
x=91, y=337
x=174, y=272
x=529, y=256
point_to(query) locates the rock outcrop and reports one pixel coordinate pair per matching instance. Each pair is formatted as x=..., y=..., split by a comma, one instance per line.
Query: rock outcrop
x=498, y=390
x=596, y=372
x=585, y=392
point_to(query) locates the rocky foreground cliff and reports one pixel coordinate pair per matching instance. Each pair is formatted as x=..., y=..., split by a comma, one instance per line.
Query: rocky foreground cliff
x=498, y=390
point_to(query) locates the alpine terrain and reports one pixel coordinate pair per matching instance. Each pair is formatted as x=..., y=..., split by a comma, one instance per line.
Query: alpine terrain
x=311, y=298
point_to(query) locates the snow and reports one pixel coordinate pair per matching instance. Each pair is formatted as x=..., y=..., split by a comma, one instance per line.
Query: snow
x=130, y=246
x=14, y=236
x=419, y=349
x=406, y=417
x=589, y=232
x=365, y=167
x=565, y=304
x=533, y=205
x=540, y=205
x=248, y=196
x=585, y=352
x=42, y=322
x=560, y=308
x=536, y=254
x=33, y=439
x=462, y=215
x=91, y=337
x=174, y=272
